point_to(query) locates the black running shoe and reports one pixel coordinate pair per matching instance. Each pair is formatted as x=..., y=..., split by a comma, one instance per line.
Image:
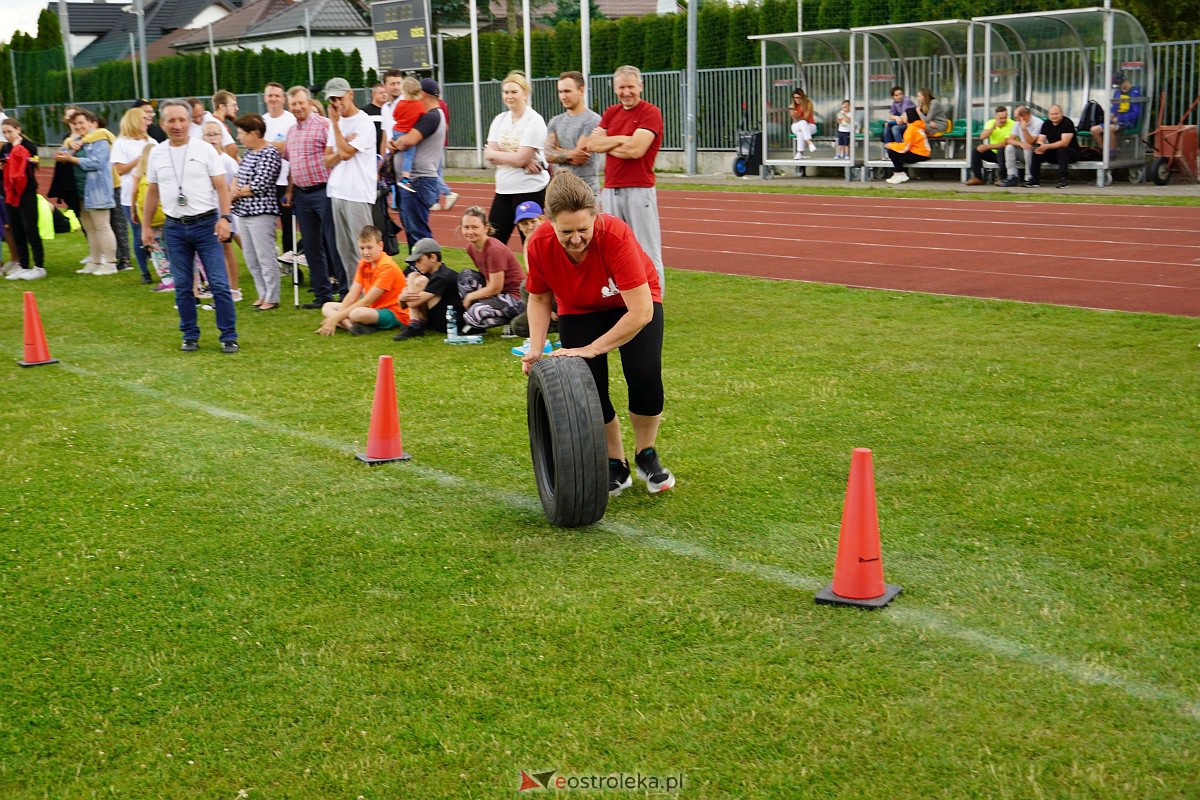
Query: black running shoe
x=230, y=347
x=619, y=478
x=410, y=331
x=657, y=477
x=359, y=329
x=190, y=346
x=1062, y=183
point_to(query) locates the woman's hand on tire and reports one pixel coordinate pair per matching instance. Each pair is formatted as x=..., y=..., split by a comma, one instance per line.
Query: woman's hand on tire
x=528, y=360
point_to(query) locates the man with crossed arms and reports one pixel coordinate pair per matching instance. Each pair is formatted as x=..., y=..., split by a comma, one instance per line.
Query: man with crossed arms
x=631, y=132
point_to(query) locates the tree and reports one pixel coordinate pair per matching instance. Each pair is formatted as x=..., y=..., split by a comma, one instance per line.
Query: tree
x=568, y=11
x=49, y=31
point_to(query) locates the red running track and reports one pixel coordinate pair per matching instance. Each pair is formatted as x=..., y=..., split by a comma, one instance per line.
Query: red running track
x=1119, y=257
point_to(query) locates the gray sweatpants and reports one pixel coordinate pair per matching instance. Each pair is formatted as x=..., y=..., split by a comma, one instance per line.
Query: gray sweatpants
x=258, y=248
x=637, y=206
x=349, y=218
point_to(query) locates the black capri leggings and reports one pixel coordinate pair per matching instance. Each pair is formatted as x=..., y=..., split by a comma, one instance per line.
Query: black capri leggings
x=641, y=358
x=504, y=209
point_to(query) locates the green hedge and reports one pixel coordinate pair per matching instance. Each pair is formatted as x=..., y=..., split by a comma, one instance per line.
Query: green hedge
x=238, y=71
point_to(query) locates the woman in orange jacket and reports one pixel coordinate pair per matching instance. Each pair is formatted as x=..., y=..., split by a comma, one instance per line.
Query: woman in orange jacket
x=914, y=148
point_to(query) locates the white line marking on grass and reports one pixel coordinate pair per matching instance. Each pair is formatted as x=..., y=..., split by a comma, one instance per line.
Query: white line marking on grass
x=913, y=617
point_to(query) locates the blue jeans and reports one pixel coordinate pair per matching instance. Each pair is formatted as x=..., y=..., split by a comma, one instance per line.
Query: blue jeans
x=139, y=252
x=184, y=243
x=443, y=187
x=893, y=132
x=414, y=209
x=314, y=218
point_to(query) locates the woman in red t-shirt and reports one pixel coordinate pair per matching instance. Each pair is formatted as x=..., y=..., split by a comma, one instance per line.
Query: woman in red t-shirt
x=608, y=297
x=491, y=293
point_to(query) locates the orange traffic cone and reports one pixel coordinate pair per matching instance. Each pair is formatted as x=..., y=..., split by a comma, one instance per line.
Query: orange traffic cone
x=858, y=573
x=383, y=438
x=36, y=351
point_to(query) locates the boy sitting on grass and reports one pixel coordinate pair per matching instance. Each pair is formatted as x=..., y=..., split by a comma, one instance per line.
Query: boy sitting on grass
x=373, y=301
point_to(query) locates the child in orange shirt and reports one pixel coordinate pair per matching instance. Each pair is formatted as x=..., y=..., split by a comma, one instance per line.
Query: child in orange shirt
x=405, y=115
x=373, y=301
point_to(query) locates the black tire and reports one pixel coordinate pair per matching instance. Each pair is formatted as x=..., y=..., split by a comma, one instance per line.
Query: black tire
x=566, y=439
x=740, y=167
x=1161, y=170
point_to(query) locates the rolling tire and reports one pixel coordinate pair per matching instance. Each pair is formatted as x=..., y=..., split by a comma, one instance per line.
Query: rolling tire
x=566, y=440
x=1160, y=170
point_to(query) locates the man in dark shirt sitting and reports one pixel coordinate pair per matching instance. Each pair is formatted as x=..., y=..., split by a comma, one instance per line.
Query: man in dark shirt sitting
x=1056, y=143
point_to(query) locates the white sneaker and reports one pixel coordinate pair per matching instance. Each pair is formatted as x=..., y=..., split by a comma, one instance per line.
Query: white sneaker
x=236, y=294
x=85, y=260
x=436, y=207
x=88, y=268
x=798, y=157
x=32, y=274
x=900, y=177
x=17, y=274
x=451, y=199
x=10, y=267
x=812, y=147
x=105, y=268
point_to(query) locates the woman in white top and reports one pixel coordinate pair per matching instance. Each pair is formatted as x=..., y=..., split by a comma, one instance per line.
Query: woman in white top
x=514, y=145
x=126, y=153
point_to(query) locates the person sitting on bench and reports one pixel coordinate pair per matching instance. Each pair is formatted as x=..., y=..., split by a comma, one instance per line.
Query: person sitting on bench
x=1123, y=117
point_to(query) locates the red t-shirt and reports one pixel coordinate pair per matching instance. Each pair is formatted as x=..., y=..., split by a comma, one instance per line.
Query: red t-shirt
x=613, y=263
x=498, y=258
x=621, y=173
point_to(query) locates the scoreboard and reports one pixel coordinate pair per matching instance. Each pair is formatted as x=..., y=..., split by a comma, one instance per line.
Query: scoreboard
x=402, y=34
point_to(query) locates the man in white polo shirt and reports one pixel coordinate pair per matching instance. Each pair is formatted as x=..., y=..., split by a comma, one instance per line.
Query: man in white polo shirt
x=189, y=178
x=279, y=121
x=350, y=158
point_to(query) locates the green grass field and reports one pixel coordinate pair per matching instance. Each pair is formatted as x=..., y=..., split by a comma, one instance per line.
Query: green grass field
x=204, y=595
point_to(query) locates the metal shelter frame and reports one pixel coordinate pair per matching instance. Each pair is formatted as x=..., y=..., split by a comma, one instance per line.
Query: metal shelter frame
x=1100, y=44
x=839, y=45
x=1091, y=31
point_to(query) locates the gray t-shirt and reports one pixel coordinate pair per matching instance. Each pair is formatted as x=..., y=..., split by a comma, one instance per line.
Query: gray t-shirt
x=567, y=130
x=427, y=153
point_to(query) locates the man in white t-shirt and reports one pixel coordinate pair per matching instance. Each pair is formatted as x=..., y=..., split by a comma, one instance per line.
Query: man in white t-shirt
x=201, y=116
x=393, y=80
x=1022, y=141
x=350, y=158
x=279, y=121
x=225, y=111
x=189, y=178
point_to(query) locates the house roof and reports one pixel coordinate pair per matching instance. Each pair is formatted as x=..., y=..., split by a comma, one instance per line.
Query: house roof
x=346, y=16
x=91, y=18
x=162, y=17
x=232, y=27
x=268, y=18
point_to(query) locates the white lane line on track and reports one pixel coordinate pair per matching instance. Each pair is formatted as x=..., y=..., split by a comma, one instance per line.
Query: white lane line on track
x=1012, y=232
x=1182, y=214
x=909, y=265
x=689, y=212
x=924, y=619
